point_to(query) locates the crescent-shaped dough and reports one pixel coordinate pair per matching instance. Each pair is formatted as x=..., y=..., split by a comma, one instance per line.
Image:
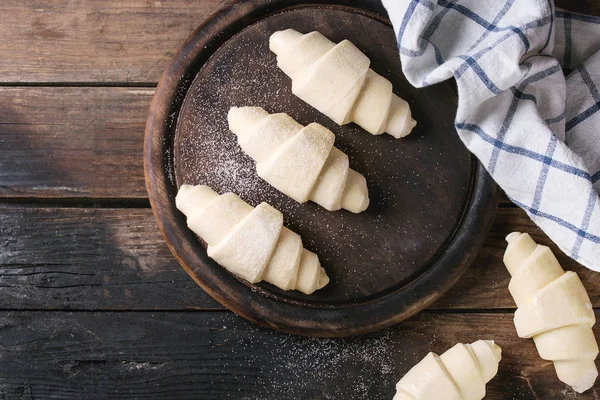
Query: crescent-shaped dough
x=461, y=373
x=250, y=242
x=299, y=161
x=336, y=80
x=554, y=309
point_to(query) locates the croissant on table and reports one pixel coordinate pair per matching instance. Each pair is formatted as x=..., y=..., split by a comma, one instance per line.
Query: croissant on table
x=336, y=80
x=554, y=309
x=299, y=161
x=460, y=373
x=250, y=242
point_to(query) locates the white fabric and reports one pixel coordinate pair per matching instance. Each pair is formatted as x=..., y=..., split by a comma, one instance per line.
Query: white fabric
x=535, y=130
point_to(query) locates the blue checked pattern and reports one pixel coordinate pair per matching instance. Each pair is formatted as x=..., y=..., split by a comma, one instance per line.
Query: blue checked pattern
x=536, y=130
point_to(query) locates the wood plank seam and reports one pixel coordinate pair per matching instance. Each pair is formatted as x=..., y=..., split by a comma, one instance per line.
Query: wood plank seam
x=74, y=202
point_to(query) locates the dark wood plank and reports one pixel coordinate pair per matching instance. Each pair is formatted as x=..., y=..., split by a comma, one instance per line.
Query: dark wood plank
x=86, y=142
x=95, y=41
x=107, y=259
x=76, y=258
x=220, y=356
x=581, y=6
x=69, y=142
x=98, y=41
x=109, y=41
x=72, y=142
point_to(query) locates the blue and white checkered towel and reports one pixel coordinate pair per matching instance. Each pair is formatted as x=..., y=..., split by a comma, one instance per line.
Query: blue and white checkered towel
x=536, y=131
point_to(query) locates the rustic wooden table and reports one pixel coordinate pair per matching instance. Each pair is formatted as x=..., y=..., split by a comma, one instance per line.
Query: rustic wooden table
x=93, y=305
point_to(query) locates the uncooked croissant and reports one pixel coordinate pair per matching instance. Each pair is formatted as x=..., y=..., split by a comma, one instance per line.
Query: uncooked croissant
x=299, y=161
x=336, y=80
x=250, y=242
x=461, y=373
x=554, y=309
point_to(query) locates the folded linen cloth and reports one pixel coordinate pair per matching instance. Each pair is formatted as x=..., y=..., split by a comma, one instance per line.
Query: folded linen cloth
x=536, y=131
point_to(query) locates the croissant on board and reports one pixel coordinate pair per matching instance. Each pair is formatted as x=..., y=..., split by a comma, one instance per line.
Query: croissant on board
x=250, y=242
x=299, y=161
x=461, y=373
x=554, y=309
x=336, y=80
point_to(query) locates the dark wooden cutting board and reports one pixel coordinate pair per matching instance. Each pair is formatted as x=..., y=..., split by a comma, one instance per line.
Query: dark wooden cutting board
x=431, y=202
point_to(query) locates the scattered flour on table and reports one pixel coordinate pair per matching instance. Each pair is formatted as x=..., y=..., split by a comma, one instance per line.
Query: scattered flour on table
x=283, y=367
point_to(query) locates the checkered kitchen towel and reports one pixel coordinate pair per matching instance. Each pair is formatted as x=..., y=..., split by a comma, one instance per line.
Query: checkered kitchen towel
x=536, y=131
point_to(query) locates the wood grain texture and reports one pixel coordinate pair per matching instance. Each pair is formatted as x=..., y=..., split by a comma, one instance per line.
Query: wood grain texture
x=79, y=258
x=109, y=41
x=220, y=356
x=115, y=259
x=94, y=41
x=72, y=142
x=117, y=42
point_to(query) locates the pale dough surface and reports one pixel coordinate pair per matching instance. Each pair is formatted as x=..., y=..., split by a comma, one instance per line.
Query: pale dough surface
x=554, y=309
x=299, y=161
x=336, y=80
x=460, y=373
x=251, y=242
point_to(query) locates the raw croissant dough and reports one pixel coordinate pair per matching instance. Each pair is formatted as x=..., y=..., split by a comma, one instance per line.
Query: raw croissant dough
x=336, y=80
x=250, y=242
x=300, y=161
x=554, y=309
x=461, y=373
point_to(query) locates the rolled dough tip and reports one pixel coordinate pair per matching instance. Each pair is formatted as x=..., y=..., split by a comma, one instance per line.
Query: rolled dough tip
x=280, y=40
x=233, y=118
x=365, y=204
x=586, y=383
x=241, y=119
x=323, y=279
x=512, y=236
x=399, y=129
x=497, y=351
x=356, y=204
x=189, y=197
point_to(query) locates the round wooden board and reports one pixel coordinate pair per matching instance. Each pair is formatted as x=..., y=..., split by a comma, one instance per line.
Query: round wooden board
x=431, y=202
